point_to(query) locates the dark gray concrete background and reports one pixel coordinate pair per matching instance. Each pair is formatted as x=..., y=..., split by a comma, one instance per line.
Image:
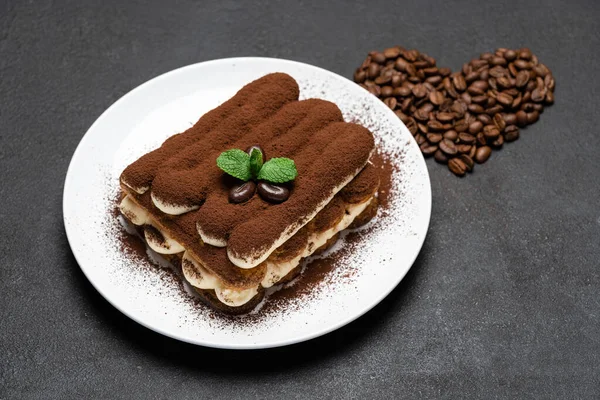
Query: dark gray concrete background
x=503, y=302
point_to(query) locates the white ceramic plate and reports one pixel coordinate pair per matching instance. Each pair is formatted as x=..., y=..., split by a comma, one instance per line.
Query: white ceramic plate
x=143, y=118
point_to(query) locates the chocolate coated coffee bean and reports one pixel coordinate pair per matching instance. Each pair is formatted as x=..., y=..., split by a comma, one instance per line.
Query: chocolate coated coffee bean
x=482, y=154
x=273, y=193
x=242, y=193
x=457, y=167
x=257, y=147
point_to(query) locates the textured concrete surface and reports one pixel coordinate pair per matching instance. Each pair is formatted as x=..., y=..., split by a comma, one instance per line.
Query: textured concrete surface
x=503, y=302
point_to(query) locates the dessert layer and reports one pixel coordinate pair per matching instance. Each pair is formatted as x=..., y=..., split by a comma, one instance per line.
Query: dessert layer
x=188, y=191
x=309, y=240
x=179, y=232
x=249, y=107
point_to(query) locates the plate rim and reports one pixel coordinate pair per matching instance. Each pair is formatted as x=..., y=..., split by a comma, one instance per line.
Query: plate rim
x=421, y=236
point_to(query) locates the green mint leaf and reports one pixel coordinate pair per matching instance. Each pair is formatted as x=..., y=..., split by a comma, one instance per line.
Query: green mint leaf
x=278, y=170
x=236, y=163
x=256, y=162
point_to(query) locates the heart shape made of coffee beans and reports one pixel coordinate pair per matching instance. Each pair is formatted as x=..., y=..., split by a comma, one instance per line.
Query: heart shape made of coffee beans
x=460, y=117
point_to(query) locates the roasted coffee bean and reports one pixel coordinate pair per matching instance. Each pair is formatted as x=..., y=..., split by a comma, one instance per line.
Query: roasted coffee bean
x=391, y=102
x=481, y=99
x=463, y=148
x=445, y=71
x=504, y=99
x=445, y=117
x=526, y=97
x=484, y=119
x=273, y=193
x=448, y=147
x=434, y=138
x=522, y=64
x=402, y=91
x=412, y=126
x=392, y=52
x=498, y=142
x=387, y=91
x=531, y=85
x=461, y=125
x=538, y=107
x=475, y=108
x=383, y=79
x=510, y=119
x=440, y=157
x=484, y=74
x=538, y=95
x=517, y=101
x=549, y=82
x=459, y=83
x=428, y=149
x=373, y=70
x=378, y=57
x=466, y=138
x=434, y=126
x=406, y=103
x=242, y=193
x=512, y=69
x=419, y=91
x=499, y=122
x=522, y=79
x=434, y=80
x=426, y=108
x=421, y=115
x=420, y=138
x=457, y=167
x=396, y=81
x=504, y=82
x=257, y=147
x=549, y=97
x=468, y=161
x=497, y=72
x=482, y=154
x=403, y=117
x=451, y=135
x=521, y=118
x=471, y=77
x=532, y=117
x=493, y=110
x=436, y=98
x=491, y=132
x=421, y=64
x=511, y=133
x=466, y=98
x=422, y=128
x=475, y=127
x=401, y=64
x=510, y=55
x=481, y=140
x=411, y=70
x=360, y=76
x=525, y=53
x=459, y=108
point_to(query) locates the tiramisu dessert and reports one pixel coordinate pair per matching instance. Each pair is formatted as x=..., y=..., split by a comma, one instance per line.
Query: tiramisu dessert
x=255, y=186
